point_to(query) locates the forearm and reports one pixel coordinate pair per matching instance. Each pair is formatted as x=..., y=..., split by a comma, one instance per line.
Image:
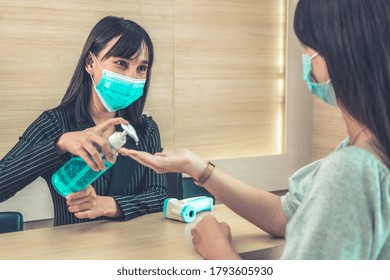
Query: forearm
x=135, y=205
x=24, y=164
x=110, y=208
x=260, y=207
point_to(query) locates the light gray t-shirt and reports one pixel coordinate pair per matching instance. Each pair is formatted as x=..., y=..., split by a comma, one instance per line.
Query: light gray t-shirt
x=339, y=208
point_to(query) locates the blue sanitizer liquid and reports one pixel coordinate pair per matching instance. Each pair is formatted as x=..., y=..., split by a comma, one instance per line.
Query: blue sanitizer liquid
x=75, y=176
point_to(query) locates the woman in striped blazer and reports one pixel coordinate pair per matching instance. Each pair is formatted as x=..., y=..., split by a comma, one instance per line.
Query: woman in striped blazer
x=89, y=112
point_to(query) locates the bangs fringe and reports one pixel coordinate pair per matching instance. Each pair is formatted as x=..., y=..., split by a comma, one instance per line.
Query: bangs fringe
x=129, y=45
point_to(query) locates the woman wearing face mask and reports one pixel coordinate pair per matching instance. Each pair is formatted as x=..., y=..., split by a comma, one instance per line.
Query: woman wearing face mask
x=108, y=88
x=337, y=207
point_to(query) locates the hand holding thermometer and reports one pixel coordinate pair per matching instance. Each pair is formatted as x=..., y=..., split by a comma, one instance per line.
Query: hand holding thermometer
x=185, y=210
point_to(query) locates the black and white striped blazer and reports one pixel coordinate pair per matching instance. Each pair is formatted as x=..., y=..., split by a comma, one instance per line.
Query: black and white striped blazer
x=136, y=189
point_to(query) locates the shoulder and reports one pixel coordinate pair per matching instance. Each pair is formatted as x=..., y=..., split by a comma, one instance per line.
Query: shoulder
x=56, y=115
x=344, y=203
x=352, y=162
x=54, y=119
x=47, y=125
x=47, y=119
x=351, y=173
x=347, y=173
x=348, y=195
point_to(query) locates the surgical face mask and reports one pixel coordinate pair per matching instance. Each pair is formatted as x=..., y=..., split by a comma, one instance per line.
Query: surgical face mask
x=117, y=91
x=324, y=91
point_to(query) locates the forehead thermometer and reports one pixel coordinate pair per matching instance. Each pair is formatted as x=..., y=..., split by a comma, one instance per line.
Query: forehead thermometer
x=185, y=210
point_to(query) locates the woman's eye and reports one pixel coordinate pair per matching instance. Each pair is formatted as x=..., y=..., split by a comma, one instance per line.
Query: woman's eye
x=143, y=68
x=122, y=63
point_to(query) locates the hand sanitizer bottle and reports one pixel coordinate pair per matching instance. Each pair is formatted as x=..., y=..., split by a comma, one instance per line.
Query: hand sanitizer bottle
x=76, y=175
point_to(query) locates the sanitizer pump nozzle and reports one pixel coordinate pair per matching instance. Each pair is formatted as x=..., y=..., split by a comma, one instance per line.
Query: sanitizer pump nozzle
x=130, y=131
x=76, y=175
x=118, y=139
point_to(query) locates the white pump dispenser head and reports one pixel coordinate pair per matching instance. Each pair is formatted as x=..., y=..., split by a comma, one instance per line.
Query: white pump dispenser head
x=118, y=139
x=131, y=132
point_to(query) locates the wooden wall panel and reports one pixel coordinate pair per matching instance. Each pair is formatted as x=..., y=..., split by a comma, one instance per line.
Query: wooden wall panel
x=40, y=44
x=218, y=82
x=229, y=77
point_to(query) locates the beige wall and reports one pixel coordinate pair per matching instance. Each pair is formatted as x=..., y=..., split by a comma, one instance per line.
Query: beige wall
x=40, y=43
x=218, y=84
x=229, y=68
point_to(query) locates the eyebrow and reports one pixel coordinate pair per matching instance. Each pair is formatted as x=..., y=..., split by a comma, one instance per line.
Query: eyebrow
x=135, y=58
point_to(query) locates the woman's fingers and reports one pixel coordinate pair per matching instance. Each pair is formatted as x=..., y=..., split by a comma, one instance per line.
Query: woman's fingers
x=95, y=156
x=88, y=191
x=101, y=128
x=90, y=144
x=104, y=146
x=143, y=158
x=88, y=160
x=227, y=230
x=89, y=214
x=82, y=200
x=136, y=155
x=95, y=145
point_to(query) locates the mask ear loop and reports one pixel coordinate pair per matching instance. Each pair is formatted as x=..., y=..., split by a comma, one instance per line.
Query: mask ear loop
x=97, y=61
x=311, y=75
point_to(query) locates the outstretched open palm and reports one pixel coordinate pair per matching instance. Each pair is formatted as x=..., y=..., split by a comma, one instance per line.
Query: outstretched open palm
x=162, y=162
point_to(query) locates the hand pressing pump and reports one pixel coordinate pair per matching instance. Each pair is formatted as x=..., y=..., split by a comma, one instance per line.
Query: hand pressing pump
x=75, y=175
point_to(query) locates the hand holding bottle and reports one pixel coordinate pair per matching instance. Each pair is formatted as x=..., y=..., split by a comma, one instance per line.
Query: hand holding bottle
x=84, y=143
x=87, y=204
x=76, y=174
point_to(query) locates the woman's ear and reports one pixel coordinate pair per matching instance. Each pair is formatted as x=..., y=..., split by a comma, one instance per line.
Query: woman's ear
x=89, y=64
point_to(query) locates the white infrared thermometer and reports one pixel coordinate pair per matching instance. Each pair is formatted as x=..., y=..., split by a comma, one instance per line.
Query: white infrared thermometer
x=185, y=210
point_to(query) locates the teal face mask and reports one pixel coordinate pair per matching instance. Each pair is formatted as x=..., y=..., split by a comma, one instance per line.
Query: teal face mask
x=117, y=91
x=324, y=91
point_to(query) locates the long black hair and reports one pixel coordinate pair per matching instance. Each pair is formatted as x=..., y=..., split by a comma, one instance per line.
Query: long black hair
x=354, y=38
x=132, y=39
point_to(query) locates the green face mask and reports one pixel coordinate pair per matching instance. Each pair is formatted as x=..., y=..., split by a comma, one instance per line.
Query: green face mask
x=324, y=91
x=117, y=91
